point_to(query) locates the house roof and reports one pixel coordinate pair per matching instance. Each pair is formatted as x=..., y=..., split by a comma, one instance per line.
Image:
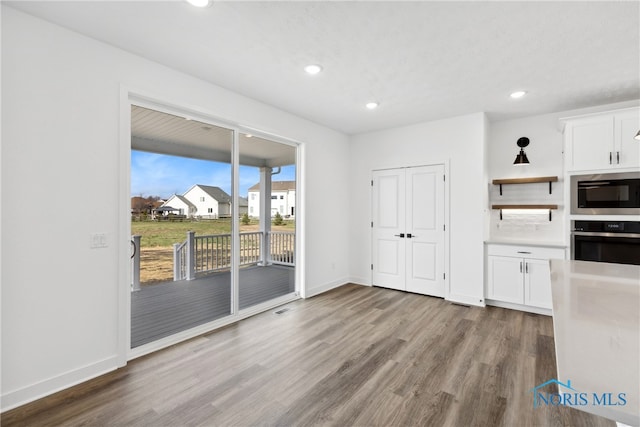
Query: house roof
x=277, y=186
x=216, y=192
x=181, y=198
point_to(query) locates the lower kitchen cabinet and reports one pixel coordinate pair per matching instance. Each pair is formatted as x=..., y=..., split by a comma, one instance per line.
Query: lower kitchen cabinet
x=518, y=276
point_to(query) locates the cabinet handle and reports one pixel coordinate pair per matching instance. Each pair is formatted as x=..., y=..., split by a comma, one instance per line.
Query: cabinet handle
x=610, y=157
x=520, y=266
x=618, y=157
x=526, y=267
x=524, y=252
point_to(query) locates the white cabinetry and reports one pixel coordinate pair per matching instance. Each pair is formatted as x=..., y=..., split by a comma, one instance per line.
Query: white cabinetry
x=603, y=141
x=518, y=276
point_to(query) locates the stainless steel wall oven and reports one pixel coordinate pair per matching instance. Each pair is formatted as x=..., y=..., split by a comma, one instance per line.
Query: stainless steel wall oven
x=606, y=241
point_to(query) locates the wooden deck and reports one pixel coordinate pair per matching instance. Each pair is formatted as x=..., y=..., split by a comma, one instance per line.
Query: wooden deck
x=163, y=309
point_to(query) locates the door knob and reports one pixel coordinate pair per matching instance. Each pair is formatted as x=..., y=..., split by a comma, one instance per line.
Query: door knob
x=399, y=235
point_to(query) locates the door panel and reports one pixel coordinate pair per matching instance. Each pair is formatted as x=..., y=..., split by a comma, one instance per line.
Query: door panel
x=424, y=264
x=425, y=223
x=388, y=223
x=389, y=204
x=389, y=257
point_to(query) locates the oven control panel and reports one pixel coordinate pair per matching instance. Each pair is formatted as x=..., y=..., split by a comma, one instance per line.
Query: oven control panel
x=607, y=226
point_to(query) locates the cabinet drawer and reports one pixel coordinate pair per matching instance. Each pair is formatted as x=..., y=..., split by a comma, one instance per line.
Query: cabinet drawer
x=534, y=252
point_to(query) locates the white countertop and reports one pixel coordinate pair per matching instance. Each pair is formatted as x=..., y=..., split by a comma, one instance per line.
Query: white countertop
x=559, y=245
x=596, y=322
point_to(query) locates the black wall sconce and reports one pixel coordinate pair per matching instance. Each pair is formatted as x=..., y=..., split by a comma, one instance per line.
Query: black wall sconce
x=637, y=136
x=521, y=158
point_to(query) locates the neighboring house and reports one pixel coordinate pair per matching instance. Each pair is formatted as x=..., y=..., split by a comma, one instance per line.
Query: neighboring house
x=203, y=201
x=283, y=199
x=180, y=204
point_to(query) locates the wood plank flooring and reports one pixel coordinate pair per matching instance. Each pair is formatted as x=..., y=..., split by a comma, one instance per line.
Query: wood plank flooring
x=355, y=356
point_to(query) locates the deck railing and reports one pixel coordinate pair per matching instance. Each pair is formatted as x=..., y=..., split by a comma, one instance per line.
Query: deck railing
x=282, y=246
x=211, y=253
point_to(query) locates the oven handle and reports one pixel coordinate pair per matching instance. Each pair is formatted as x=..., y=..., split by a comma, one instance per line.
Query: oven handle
x=600, y=234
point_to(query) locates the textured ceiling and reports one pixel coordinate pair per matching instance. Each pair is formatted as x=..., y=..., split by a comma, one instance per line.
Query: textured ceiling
x=421, y=60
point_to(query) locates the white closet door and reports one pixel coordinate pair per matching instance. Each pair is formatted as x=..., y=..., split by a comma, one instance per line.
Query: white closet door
x=425, y=230
x=388, y=225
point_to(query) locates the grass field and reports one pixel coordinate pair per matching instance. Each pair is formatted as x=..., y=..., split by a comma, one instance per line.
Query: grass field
x=158, y=237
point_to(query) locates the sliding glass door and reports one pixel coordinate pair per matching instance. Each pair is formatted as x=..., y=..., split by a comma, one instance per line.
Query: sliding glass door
x=268, y=222
x=206, y=246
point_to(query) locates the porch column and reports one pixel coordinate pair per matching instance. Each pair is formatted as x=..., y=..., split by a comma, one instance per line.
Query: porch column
x=265, y=214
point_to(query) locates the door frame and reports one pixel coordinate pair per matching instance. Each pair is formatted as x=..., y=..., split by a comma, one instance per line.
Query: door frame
x=447, y=216
x=129, y=97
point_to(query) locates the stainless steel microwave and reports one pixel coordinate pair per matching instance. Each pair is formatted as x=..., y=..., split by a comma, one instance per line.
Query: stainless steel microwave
x=606, y=194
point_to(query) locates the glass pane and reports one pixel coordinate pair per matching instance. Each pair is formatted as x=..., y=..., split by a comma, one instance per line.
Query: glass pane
x=181, y=213
x=267, y=220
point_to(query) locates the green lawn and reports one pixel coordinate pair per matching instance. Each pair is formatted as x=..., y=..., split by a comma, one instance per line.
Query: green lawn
x=166, y=233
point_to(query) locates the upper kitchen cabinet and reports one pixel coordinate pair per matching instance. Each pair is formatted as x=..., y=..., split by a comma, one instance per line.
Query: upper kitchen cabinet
x=603, y=141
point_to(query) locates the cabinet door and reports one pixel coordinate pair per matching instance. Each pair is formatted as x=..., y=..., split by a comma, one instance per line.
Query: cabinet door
x=590, y=144
x=505, y=279
x=627, y=149
x=537, y=283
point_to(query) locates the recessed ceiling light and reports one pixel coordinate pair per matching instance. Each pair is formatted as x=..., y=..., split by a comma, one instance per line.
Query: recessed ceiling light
x=249, y=135
x=518, y=94
x=198, y=3
x=372, y=105
x=312, y=69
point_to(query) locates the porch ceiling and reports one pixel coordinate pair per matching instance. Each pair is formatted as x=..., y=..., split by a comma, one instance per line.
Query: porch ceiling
x=164, y=133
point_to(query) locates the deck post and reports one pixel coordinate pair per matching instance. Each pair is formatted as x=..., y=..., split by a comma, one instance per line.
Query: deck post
x=265, y=215
x=135, y=261
x=177, y=262
x=191, y=260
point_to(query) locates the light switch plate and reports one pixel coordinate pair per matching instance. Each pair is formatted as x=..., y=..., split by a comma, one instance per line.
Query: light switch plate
x=98, y=240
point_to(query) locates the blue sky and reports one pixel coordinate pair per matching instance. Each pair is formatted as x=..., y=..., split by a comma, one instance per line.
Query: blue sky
x=161, y=175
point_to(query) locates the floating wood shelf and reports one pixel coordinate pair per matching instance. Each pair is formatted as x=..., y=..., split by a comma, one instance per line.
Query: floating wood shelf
x=501, y=207
x=531, y=180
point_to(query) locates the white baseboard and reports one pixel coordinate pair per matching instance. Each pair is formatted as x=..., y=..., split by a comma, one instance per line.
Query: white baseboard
x=19, y=397
x=317, y=290
x=520, y=307
x=466, y=299
x=364, y=281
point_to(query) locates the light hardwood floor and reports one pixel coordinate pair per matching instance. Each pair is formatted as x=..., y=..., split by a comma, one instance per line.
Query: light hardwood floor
x=355, y=356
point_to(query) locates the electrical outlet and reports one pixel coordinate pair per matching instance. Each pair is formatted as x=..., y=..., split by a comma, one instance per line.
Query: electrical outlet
x=98, y=240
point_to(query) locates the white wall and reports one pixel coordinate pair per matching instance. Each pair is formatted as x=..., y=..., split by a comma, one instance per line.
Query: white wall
x=461, y=141
x=60, y=135
x=545, y=154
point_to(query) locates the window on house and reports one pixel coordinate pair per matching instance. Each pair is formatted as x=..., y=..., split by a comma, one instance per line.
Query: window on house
x=281, y=209
x=210, y=210
x=251, y=210
x=274, y=197
x=253, y=196
x=281, y=197
x=202, y=199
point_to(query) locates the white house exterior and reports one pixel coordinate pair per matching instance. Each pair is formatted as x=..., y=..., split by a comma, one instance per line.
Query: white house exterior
x=202, y=201
x=181, y=205
x=283, y=199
